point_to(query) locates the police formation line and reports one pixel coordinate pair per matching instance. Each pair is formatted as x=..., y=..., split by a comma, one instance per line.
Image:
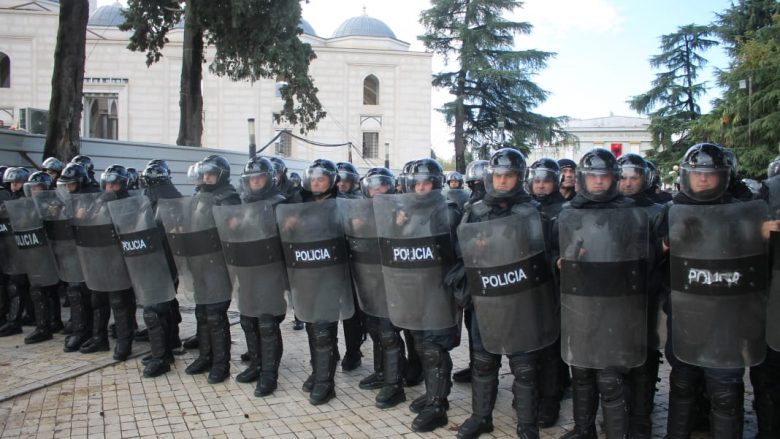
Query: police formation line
x=581, y=274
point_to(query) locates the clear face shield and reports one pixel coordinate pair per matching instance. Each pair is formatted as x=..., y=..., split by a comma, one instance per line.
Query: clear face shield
x=541, y=181
x=376, y=185
x=597, y=184
x=112, y=182
x=503, y=182
x=31, y=188
x=204, y=173
x=318, y=181
x=423, y=183
x=257, y=182
x=704, y=184
x=633, y=180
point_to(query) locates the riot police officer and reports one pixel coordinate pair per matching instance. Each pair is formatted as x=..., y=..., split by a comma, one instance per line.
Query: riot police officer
x=73, y=180
x=354, y=327
x=53, y=167
x=4, y=195
x=286, y=187
x=261, y=284
x=319, y=278
x=475, y=172
x=543, y=182
x=162, y=319
x=655, y=192
x=86, y=162
x=17, y=287
x=454, y=190
x=716, y=326
x=133, y=179
x=604, y=324
x=506, y=214
x=568, y=178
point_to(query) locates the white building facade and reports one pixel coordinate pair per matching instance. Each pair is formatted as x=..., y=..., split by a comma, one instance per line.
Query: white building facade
x=376, y=92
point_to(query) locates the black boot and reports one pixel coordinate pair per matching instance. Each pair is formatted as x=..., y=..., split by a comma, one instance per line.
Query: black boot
x=55, y=309
x=526, y=397
x=101, y=313
x=642, y=382
x=270, y=355
x=13, y=325
x=726, y=413
x=354, y=331
x=377, y=379
x=309, y=383
x=161, y=357
x=3, y=298
x=484, y=389
x=191, y=342
x=682, y=400
x=80, y=317
x=438, y=376
x=203, y=362
x=324, y=363
x=585, y=404
x=392, y=392
x=766, y=395
x=614, y=404
x=550, y=385
x=219, y=327
x=252, y=335
x=123, y=306
x=297, y=324
x=42, y=332
x=174, y=318
x=414, y=370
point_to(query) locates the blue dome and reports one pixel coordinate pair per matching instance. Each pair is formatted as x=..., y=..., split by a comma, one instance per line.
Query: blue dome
x=363, y=26
x=107, y=16
x=307, y=29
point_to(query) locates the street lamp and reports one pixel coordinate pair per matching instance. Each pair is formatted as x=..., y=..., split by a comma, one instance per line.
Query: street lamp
x=743, y=84
x=251, y=128
x=503, y=134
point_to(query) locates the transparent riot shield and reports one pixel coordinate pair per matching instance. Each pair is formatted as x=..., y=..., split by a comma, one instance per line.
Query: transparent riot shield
x=57, y=215
x=719, y=278
x=253, y=253
x=316, y=257
x=510, y=282
x=194, y=241
x=604, y=271
x=417, y=252
x=142, y=248
x=773, y=306
x=34, y=252
x=364, y=261
x=9, y=261
x=96, y=243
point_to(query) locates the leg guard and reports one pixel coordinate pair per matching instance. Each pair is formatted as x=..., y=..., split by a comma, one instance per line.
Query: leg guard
x=726, y=415
x=642, y=382
x=251, y=328
x=766, y=395
x=157, y=325
x=13, y=319
x=392, y=348
x=584, y=404
x=42, y=305
x=271, y=348
x=203, y=362
x=219, y=331
x=611, y=384
x=682, y=393
x=437, y=366
x=550, y=385
x=123, y=305
x=484, y=389
x=324, y=362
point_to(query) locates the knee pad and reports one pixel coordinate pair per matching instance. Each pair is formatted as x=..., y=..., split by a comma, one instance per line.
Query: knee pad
x=216, y=319
x=485, y=363
x=524, y=371
x=248, y=324
x=389, y=339
x=610, y=384
x=324, y=334
x=583, y=376
x=433, y=354
x=682, y=383
x=151, y=318
x=200, y=313
x=726, y=398
x=268, y=325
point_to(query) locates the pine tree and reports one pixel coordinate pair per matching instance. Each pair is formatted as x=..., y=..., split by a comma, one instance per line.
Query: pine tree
x=491, y=82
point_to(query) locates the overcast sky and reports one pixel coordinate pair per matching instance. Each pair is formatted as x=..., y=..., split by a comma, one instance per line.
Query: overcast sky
x=602, y=47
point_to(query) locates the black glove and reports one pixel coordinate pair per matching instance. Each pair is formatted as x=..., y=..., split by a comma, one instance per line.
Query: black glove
x=455, y=282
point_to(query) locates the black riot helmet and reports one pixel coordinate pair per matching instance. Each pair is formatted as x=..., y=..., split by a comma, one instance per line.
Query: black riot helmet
x=295, y=179
x=505, y=173
x=731, y=159
x=425, y=170
x=133, y=179
x=2, y=172
x=348, y=172
x=598, y=165
x=544, y=169
x=38, y=181
x=281, y=168
x=162, y=164
x=15, y=175
x=115, y=174
x=256, y=170
x=73, y=173
x=773, y=168
x=52, y=166
x=215, y=165
x=455, y=176
x=315, y=172
x=154, y=174
x=633, y=166
x=704, y=172
x=475, y=173
x=377, y=181
x=86, y=162
x=405, y=173
x=653, y=178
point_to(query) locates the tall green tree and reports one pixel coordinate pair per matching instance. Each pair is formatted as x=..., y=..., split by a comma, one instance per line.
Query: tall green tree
x=67, y=82
x=490, y=81
x=673, y=101
x=253, y=39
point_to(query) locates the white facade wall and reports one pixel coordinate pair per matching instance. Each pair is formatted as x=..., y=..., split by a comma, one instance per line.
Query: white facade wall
x=148, y=97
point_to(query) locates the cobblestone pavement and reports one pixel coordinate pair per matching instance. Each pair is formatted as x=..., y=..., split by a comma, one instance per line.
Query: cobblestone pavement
x=47, y=393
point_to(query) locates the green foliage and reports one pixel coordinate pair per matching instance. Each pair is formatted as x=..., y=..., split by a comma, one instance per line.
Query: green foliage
x=253, y=39
x=491, y=82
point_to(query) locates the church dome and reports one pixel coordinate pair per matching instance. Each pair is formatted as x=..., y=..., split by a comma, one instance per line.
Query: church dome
x=107, y=16
x=307, y=29
x=363, y=26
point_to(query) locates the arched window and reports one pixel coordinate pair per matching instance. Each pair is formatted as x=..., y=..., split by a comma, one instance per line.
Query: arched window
x=371, y=90
x=5, y=71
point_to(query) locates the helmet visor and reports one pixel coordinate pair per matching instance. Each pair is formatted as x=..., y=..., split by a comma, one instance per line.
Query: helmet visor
x=318, y=181
x=377, y=184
